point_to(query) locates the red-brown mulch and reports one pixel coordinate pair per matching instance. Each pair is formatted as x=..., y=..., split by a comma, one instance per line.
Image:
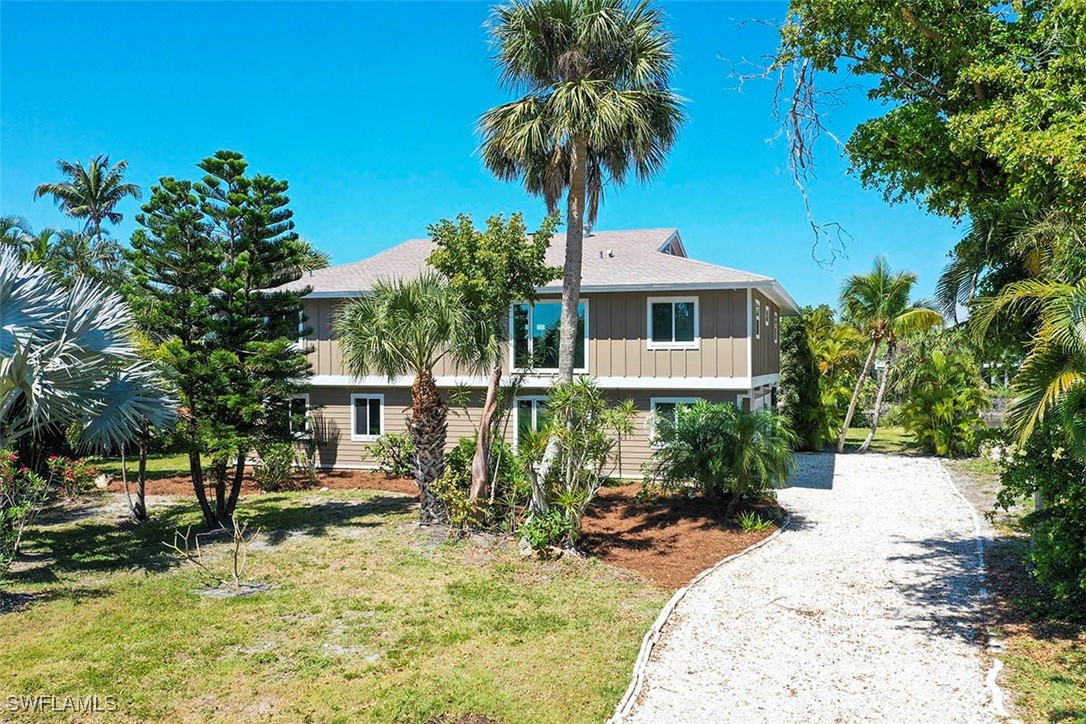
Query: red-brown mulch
x=670, y=539
x=334, y=480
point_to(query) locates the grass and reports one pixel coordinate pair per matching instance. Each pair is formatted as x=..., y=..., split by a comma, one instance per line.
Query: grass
x=159, y=465
x=370, y=619
x=888, y=439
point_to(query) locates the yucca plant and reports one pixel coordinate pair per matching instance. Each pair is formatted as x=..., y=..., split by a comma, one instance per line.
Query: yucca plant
x=68, y=362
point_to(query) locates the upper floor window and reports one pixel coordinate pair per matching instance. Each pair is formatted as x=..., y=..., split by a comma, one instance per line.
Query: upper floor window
x=673, y=322
x=535, y=336
x=367, y=416
x=776, y=328
x=757, y=318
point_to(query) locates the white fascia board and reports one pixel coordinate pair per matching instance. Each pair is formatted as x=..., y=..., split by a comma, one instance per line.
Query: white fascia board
x=545, y=381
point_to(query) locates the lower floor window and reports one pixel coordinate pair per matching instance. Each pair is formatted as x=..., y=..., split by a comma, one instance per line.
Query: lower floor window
x=367, y=416
x=531, y=416
x=298, y=415
x=662, y=411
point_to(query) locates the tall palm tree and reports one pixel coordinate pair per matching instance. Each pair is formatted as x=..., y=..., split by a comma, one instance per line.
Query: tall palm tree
x=407, y=327
x=595, y=76
x=91, y=192
x=878, y=303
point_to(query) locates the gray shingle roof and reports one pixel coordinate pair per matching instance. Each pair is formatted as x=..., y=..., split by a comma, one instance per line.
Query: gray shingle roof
x=612, y=260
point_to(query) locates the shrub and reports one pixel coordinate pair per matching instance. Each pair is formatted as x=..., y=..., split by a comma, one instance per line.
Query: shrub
x=587, y=432
x=943, y=399
x=395, y=455
x=509, y=489
x=273, y=470
x=729, y=454
x=751, y=522
x=546, y=529
x=23, y=493
x=799, y=393
x=71, y=478
x=1044, y=465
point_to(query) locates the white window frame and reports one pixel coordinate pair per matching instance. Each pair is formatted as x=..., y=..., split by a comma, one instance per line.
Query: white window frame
x=354, y=419
x=301, y=327
x=531, y=343
x=535, y=400
x=757, y=318
x=302, y=396
x=776, y=328
x=695, y=344
x=650, y=422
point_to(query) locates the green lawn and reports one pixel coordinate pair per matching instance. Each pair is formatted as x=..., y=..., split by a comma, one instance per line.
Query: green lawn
x=888, y=439
x=164, y=465
x=370, y=619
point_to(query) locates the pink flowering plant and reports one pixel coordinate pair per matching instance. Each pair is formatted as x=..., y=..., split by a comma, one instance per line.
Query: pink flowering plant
x=23, y=493
x=70, y=477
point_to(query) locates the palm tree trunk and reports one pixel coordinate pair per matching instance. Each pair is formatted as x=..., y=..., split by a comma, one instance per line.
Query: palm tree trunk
x=480, y=464
x=864, y=374
x=428, y=425
x=140, y=509
x=571, y=300
x=879, y=397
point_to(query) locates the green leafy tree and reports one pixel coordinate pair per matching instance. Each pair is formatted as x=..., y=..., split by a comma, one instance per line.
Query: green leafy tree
x=490, y=269
x=731, y=455
x=597, y=104
x=406, y=327
x=942, y=397
x=208, y=266
x=879, y=304
x=800, y=400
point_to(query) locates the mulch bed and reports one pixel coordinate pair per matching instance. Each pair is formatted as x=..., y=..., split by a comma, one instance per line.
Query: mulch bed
x=669, y=540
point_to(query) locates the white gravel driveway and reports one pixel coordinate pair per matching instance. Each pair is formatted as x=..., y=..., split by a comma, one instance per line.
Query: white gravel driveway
x=864, y=610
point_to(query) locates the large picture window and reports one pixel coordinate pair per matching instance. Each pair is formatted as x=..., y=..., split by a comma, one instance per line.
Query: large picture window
x=367, y=416
x=535, y=336
x=673, y=323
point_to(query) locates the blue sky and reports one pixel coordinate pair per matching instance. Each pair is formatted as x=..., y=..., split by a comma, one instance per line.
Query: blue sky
x=368, y=110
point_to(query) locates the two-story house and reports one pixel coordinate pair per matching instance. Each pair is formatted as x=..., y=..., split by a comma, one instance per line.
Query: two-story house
x=659, y=328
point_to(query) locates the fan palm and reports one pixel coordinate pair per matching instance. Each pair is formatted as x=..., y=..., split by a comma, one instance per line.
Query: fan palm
x=407, y=327
x=91, y=192
x=878, y=303
x=67, y=358
x=596, y=105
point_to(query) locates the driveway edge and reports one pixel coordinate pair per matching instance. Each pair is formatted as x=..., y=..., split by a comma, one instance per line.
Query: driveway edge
x=628, y=699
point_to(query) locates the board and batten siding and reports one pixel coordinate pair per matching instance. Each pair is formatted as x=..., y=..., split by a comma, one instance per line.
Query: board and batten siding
x=331, y=407
x=617, y=338
x=765, y=351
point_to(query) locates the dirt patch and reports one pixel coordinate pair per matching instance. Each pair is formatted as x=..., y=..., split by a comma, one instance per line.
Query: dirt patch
x=332, y=479
x=670, y=539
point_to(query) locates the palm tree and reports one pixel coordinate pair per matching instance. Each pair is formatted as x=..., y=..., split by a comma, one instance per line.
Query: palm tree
x=407, y=327
x=68, y=361
x=878, y=304
x=596, y=104
x=91, y=192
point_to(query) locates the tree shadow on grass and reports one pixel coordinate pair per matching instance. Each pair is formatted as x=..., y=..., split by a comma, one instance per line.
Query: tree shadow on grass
x=278, y=521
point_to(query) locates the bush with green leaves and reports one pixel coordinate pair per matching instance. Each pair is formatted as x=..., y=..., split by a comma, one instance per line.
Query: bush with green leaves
x=943, y=398
x=71, y=477
x=799, y=393
x=1046, y=466
x=587, y=431
x=275, y=466
x=509, y=489
x=23, y=493
x=395, y=455
x=728, y=454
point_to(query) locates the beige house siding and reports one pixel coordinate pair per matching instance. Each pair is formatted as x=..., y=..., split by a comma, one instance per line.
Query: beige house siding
x=332, y=409
x=765, y=352
x=617, y=338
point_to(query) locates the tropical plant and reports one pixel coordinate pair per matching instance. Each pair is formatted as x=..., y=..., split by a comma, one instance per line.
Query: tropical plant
x=70, y=477
x=68, y=362
x=751, y=522
x=878, y=304
x=490, y=270
x=942, y=397
x=91, y=192
x=405, y=327
x=800, y=396
x=208, y=269
x=728, y=454
x=274, y=465
x=23, y=493
x=395, y=454
x=587, y=431
x=596, y=105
